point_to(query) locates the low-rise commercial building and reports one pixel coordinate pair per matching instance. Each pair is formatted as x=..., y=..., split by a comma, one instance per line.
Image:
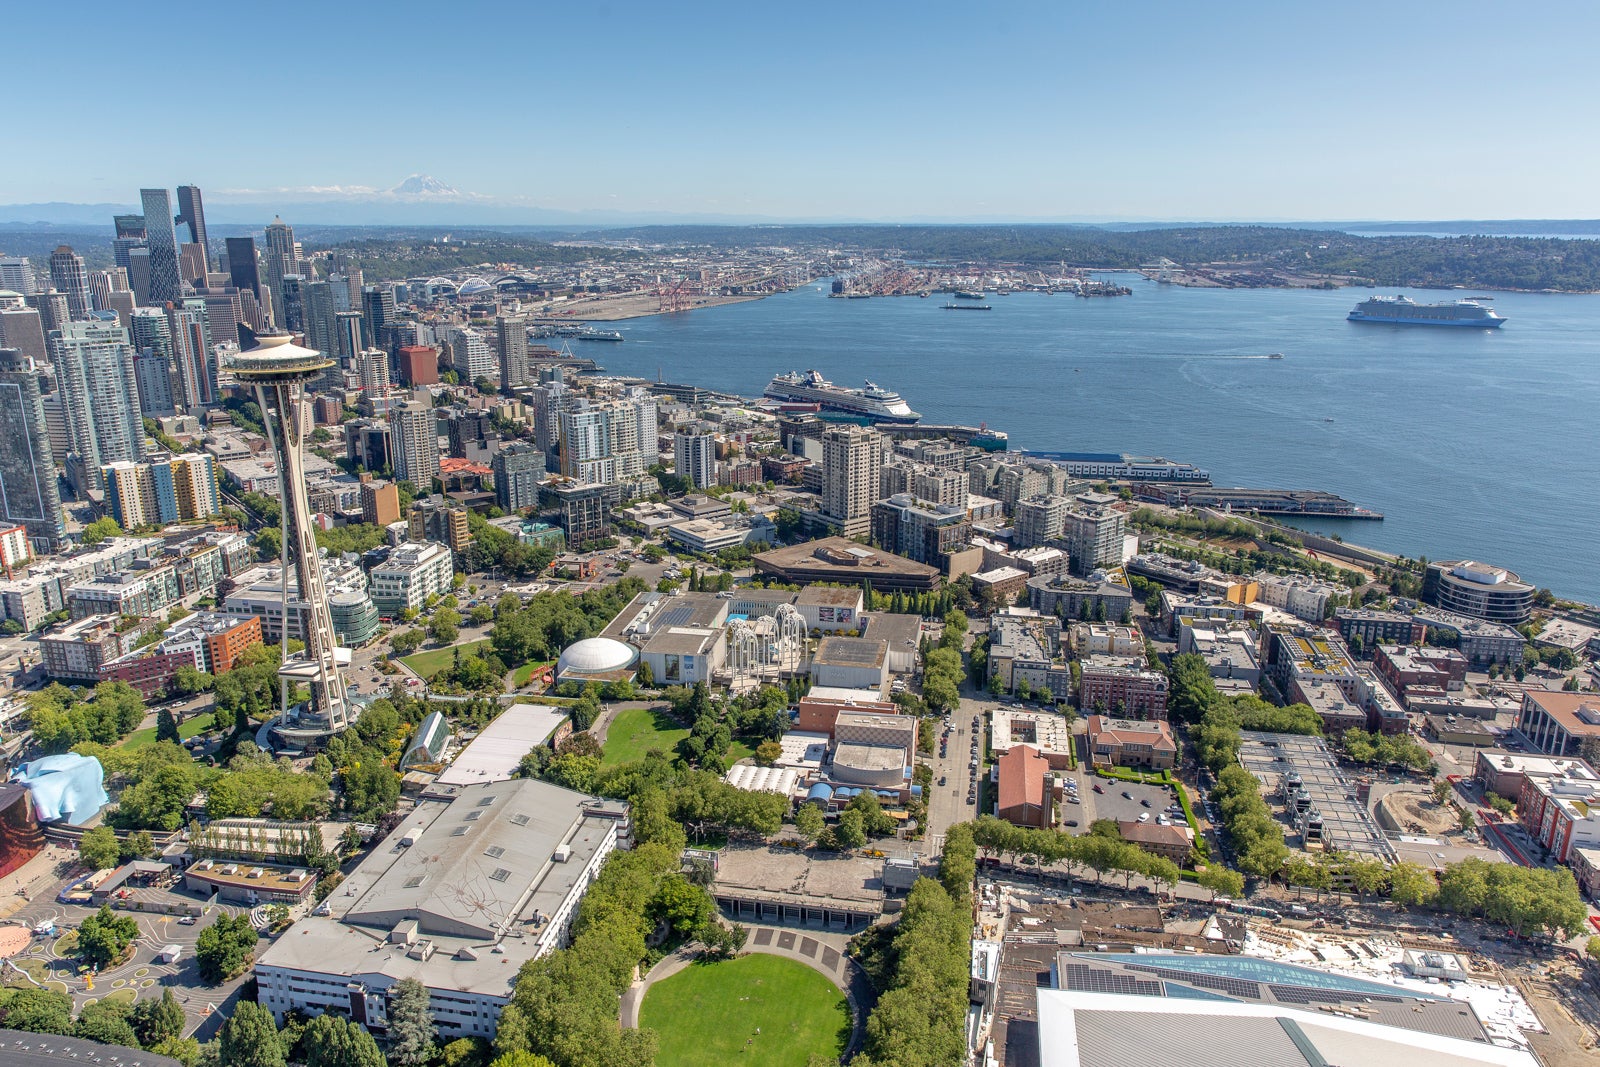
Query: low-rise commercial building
x=851, y=663
x=1503, y=773
x=821, y=707
x=413, y=572
x=1337, y=712
x=1230, y=650
x=1131, y=743
x=250, y=883
x=520, y=853
x=842, y=561
x=831, y=609
x=1557, y=724
x=1048, y=734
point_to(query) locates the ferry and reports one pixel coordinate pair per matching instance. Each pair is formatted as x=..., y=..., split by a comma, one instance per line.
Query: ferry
x=590, y=334
x=873, y=402
x=1404, y=311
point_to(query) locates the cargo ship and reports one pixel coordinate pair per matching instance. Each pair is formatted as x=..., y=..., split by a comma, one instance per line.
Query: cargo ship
x=873, y=402
x=1404, y=311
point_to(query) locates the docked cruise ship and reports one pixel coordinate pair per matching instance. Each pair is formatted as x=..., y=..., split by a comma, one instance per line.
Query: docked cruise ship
x=1407, y=312
x=873, y=402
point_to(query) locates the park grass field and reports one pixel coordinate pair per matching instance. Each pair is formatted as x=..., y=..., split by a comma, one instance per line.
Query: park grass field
x=196, y=724
x=427, y=664
x=711, y=1012
x=636, y=731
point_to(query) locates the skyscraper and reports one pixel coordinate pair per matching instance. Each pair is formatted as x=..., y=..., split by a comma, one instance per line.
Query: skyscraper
x=415, y=434
x=279, y=258
x=320, y=319
x=242, y=264
x=518, y=468
x=21, y=328
x=347, y=336
x=511, y=342
x=611, y=441
x=290, y=298
x=161, y=238
x=192, y=354
x=377, y=306
x=192, y=213
x=28, y=492
x=68, y=275
x=852, y=462
x=17, y=275
x=152, y=374
x=54, y=311
x=130, y=235
x=695, y=458
x=99, y=395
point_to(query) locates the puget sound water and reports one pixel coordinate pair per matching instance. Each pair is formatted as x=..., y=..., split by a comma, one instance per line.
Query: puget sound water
x=1480, y=444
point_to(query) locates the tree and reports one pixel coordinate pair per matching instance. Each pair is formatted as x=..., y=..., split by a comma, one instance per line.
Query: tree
x=406, y=642
x=157, y=1020
x=187, y=681
x=809, y=821
x=104, y=936
x=1441, y=792
x=445, y=626
x=1592, y=947
x=224, y=948
x=520, y=1058
x=38, y=1011
x=850, y=831
x=1221, y=881
x=768, y=752
x=106, y=1021
x=1411, y=885
x=100, y=529
x=166, y=726
x=410, y=1024
x=682, y=906
x=331, y=1041
x=99, y=848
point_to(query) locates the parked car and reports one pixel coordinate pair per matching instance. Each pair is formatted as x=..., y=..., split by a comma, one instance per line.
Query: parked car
x=1126, y=795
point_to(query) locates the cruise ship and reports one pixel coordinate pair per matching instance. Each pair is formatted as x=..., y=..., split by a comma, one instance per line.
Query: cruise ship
x=1407, y=312
x=873, y=402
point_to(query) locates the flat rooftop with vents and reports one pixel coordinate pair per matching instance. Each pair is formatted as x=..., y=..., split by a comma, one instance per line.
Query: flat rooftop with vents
x=461, y=894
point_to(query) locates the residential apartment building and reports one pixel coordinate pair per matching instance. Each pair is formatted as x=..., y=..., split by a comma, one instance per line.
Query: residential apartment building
x=163, y=488
x=1302, y=597
x=415, y=433
x=924, y=533
x=1124, y=687
x=518, y=469
x=852, y=464
x=1375, y=628
x=1093, y=537
x=694, y=456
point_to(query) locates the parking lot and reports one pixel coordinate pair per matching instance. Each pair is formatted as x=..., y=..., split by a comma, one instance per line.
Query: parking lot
x=48, y=960
x=1110, y=803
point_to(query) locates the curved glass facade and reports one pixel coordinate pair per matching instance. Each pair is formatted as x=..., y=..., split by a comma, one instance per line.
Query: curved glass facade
x=355, y=619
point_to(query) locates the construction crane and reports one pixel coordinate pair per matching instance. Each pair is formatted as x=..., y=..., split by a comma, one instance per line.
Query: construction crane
x=672, y=297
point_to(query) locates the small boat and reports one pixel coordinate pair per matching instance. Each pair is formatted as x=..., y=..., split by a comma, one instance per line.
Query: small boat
x=967, y=307
x=1274, y=355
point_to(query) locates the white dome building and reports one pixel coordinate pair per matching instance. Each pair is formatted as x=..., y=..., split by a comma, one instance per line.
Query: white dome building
x=596, y=659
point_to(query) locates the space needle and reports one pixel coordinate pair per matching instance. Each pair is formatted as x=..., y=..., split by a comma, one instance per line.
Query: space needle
x=279, y=369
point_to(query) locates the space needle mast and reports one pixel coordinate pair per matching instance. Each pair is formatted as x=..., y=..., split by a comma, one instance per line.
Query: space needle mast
x=279, y=369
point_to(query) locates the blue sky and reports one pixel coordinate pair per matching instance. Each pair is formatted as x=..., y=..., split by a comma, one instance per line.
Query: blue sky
x=832, y=110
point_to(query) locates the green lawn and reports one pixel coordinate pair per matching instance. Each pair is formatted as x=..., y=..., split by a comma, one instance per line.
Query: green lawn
x=197, y=724
x=637, y=730
x=710, y=1013
x=427, y=664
